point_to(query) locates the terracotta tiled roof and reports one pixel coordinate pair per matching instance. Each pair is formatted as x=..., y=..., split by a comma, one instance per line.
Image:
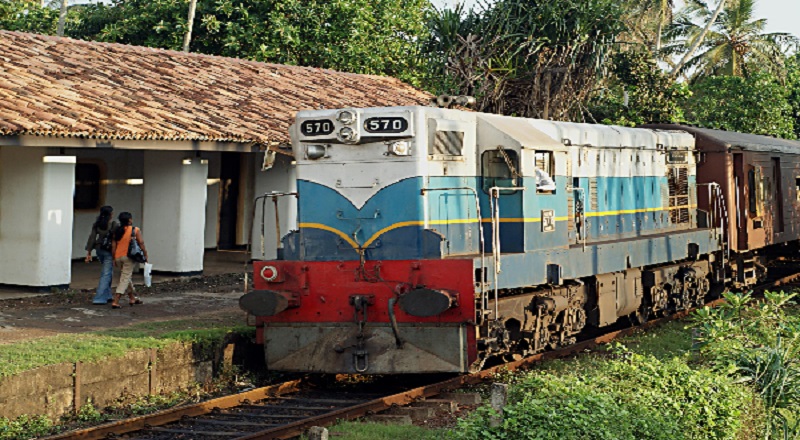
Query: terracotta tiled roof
x=53, y=86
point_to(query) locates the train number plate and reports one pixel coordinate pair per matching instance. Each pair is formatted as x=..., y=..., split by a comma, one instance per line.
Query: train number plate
x=677, y=157
x=386, y=125
x=316, y=127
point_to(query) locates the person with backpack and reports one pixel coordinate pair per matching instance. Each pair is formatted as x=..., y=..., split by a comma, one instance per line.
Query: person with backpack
x=100, y=241
x=127, y=249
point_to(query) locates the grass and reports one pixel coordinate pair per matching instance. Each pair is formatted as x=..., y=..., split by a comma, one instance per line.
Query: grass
x=94, y=346
x=378, y=431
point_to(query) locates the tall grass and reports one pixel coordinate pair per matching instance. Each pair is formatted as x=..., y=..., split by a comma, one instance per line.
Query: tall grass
x=757, y=343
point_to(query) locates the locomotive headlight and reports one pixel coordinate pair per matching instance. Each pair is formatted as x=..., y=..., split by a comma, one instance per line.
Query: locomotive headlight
x=399, y=148
x=347, y=135
x=346, y=117
x=315, y=151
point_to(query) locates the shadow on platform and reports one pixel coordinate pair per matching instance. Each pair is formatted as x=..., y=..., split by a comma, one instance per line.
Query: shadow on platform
x=85, y=276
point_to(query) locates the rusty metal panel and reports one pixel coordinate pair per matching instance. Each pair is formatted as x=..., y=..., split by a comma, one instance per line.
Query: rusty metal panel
x=629, y=292
x=330, y=348
x=606, y=289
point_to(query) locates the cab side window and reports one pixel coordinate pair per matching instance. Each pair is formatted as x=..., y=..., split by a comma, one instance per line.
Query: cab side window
x=544, y=172
x=499, y=168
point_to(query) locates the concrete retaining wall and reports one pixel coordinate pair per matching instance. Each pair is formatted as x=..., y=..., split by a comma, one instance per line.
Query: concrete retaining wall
x=56, y=390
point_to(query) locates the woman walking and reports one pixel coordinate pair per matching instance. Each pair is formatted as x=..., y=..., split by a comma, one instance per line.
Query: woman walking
x=100, y=240
x=122, y=240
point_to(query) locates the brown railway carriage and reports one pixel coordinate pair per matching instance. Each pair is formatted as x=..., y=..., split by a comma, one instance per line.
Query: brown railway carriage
x=759, y=178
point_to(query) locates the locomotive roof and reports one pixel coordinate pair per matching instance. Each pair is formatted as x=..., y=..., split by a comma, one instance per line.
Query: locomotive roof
x=720, y=140
x=521, y=132
x=614, y=136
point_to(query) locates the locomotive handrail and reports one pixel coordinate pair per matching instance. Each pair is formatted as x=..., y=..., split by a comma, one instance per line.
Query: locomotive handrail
x=480, y=234
x=583, y=215
x=494, y=202
x=263, y=198
x=716, y=201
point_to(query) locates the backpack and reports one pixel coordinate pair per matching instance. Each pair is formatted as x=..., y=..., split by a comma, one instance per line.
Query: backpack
x=105, y=242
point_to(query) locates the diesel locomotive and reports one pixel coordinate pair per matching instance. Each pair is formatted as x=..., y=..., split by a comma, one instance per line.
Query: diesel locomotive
x=434, y=240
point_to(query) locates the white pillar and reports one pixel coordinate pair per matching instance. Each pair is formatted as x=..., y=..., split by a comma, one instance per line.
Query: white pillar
x=174, y=208
x=36, y=193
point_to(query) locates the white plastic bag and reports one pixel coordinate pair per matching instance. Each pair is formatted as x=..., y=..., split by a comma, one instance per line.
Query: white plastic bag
x=148, y=277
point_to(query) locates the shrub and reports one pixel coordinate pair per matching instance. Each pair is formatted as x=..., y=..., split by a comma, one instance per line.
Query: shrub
x=757, y=344
x=638, y=397
x=24, y=427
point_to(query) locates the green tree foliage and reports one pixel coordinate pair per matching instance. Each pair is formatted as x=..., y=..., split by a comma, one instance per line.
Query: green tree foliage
x=736, y=44
x=757, y=104
x=363, y=36
x=639, y=92
x=793, y=88
x=28, y=16
x=531, y=58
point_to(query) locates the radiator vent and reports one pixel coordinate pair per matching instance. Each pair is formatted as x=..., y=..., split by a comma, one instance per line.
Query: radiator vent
x=678, y=195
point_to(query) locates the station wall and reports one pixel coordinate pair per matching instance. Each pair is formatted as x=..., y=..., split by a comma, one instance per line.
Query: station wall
x=122, y=184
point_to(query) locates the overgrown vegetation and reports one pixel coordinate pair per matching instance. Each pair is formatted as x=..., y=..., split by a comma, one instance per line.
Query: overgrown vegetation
x=732, y=373
x=758, y=344
x=25, y=427
x=527, y=58
x=380, y=431
x=632, y=397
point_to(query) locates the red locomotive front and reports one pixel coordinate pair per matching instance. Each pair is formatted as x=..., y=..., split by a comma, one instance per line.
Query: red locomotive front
x=383, y=316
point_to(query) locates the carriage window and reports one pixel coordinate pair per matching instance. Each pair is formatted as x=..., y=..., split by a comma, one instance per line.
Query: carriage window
x=797, y=187
x=87, y=186
x=755, y=184
x=544, y=172
x=499, y=168
x=450, y=143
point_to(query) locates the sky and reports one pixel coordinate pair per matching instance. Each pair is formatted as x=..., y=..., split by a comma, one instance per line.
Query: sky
x=781, y=15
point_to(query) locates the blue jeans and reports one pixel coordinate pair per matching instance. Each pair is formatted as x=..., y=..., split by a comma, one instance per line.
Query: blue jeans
x=104, y=287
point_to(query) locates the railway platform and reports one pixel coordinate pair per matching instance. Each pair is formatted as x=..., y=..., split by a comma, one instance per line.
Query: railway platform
x=211, y=297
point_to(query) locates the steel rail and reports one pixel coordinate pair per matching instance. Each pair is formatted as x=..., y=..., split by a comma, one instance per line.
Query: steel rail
x=376, y=405
x=177, y=413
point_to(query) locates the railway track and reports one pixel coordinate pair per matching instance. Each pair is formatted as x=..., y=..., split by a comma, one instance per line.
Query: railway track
x=289, y=409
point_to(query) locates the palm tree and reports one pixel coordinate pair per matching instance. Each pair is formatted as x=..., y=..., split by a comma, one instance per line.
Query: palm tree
x=187, y=37
x=729, y=41
x=664, y=10
x=645, y=20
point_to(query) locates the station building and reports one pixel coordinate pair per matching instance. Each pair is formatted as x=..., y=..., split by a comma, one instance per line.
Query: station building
x=183, y=141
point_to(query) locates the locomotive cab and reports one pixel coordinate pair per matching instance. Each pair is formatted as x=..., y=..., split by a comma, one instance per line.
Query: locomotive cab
x=373, y=177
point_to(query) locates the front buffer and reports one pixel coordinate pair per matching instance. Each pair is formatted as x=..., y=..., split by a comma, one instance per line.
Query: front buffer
x=383, y=317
